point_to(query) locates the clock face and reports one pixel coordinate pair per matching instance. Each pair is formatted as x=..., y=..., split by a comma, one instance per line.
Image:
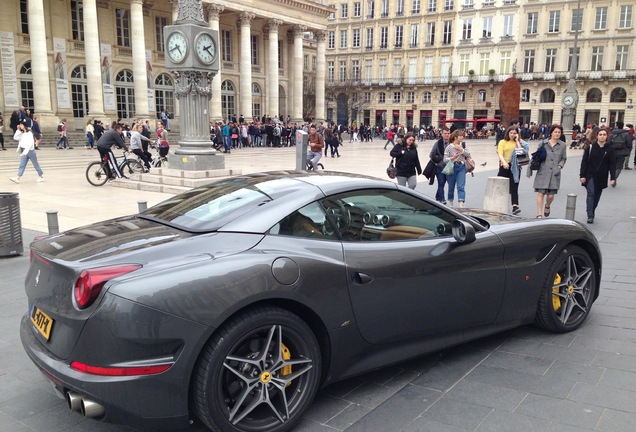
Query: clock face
x=177, y=47
x=205, y=48
x=568, y=100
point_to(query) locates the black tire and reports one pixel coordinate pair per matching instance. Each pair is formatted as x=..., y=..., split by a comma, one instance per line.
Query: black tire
x=244, y=363
x=320, y=166
x=96, y=174
x=132, y=167
x=568, y=293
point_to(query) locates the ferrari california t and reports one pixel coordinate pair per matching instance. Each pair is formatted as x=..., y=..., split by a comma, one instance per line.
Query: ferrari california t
x=235, y=302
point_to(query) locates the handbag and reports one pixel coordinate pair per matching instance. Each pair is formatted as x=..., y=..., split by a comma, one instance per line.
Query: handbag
x=391, y=170
x=523, y=159
x=449, y=169
x=430, y=169
x=470, y=165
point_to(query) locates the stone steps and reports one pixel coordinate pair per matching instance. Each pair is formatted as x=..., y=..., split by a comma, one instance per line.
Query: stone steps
x=173, y=181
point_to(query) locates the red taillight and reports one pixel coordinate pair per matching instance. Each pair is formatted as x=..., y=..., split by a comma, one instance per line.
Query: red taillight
x=90, y=282
x=120, y=371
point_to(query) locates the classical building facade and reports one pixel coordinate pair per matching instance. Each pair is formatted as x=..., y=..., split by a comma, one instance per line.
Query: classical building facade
x=105, y=59
x=424, y=61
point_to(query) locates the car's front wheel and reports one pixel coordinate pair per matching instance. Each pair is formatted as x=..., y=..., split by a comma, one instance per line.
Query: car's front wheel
x=568, y=294
x=259, y=372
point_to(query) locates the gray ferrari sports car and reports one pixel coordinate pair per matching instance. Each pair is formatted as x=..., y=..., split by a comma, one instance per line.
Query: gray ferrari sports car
x=235, y=302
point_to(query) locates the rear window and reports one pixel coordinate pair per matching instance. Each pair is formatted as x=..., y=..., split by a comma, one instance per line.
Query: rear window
x=209, y=207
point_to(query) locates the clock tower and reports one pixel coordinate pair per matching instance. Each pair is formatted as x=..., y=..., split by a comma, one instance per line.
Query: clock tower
x=191, y=55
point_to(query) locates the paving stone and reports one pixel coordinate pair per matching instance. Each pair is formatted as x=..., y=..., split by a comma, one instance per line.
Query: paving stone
x=28, y=404
x=325, y=407
x=619, y=379
x=522, y=381
x=502, y=421
x=306, y=425
x=560, y=427
x=605, y=397
x=370, y=395
x=423, y=424
x=450, y=369
x=488, y=395
x=616, y=421
x=348, y=417
x=457, y=413
x=518, y=362
x=548, y=351
x=614, y=310
x=536, y=334
x=603, y=344
x=55, y=419
x=575, y=372
x=559, y=410
x=616, y=361
x=343, y=388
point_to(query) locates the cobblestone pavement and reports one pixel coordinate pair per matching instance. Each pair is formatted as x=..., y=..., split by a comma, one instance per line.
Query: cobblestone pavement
x=520, y=380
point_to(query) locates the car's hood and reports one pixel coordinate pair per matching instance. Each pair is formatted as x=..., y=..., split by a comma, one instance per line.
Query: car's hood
x=493, y=218
x=104, y=239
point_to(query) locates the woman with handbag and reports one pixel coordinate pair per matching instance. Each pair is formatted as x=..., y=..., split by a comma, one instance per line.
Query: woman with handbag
x=548, y=178
x=456, y=154
x=598, y=161
x=506, y=151
x=407, y=161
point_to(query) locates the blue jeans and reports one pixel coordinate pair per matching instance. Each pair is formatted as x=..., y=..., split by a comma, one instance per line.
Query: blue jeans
x=30, y=156
x=314, y=157
x=457, y=179
x=62, y=140
x=227, y=143
x=441, y=182
x=593, y=197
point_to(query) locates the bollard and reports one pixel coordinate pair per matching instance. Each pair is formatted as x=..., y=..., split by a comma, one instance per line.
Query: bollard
x=570, y=207
x=51, y=220
x=496, y=197
x=142, y=205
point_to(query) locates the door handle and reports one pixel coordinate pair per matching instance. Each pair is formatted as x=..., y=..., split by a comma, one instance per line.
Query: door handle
x=362, y=278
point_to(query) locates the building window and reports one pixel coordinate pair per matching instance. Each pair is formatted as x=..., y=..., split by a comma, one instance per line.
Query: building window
x=445, y=65
x=331, y=40
x=428, y=69
x=160, y=23
x=594, y=95
x=410, y=97
x=368, y=71
x=597, y=58
x=533, y=18
x=280, y=54
x=26, y=86
x=415, y=31
x=426, y=97
x=461, y=96
x=447, y=33
x=621, y=57
x=399, y=11
x=356, y=10
x=123, y=27
x=384, y=37
x=528, y=61
x=484, y=63
x=443, y=96
x=416, y=7
x=228, y=99
x=305, y=62
x=506, y=62
x=257, y=95
x=547, y=96
x=370, y=38
x=77, y=20
x=125, y=91
x=355, y=43
x=164, y=93
x=79, y=92
x=467, y=29
x=397, y=70
x=577, y=20
x=508, y=22
x=397, y=97
x=343, y=38
x=367, y=97
x=382, y=97
x=355, y=70
x=342, y=74
x=24, y=18
x=449, y=5
x=330, y=71
x=399, y=34
x=332, y=15
x=344, y=10
x=625, y=19
x=481, y=96
x=600, y=23
x=571, y=56
x=464, y=64
x=385, y=8
x=430, y=34
x=525, y=95
x=487, y=28
x=226, y=45
x=550, y=59
x=618, y=95
x=432, y=6
x=254, y=49
x=382, y=71
x=370, y=9
x=554, y=21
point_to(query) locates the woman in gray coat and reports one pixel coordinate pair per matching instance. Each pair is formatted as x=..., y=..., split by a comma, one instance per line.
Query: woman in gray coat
x=548, y=177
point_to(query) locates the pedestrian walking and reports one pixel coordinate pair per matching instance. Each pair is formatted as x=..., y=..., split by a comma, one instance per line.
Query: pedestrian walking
x=2, y=131
x=598, y=161
x=437, y=156
x=456, y=151
x=90, y=137
x=26, y=147
x=508, y=166
x=620, y=140
x=407, y=161
x=548, y=177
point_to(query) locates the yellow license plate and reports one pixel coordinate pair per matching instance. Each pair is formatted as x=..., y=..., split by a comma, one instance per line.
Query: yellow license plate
x=42, y=322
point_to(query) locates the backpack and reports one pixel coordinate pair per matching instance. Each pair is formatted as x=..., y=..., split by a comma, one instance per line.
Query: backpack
x=619, y=141
x=276, y=131
x=59, y=127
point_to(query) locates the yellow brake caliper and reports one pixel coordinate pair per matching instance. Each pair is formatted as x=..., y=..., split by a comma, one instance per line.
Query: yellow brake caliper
x=556, y=300
x=286, y=369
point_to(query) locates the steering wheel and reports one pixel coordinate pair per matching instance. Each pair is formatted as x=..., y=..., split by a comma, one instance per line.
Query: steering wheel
x=340, y=216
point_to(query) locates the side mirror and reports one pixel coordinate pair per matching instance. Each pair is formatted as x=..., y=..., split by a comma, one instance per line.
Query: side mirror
x=463, y=232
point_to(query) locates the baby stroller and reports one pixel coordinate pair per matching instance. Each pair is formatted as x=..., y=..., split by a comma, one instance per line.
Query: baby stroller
x=578, y=142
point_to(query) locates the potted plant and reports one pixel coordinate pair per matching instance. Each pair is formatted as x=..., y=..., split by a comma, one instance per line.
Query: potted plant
x=491, y=72
x=471, y=73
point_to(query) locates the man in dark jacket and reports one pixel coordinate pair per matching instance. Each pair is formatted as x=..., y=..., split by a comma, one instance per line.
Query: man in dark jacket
x=437, y=156
x=111, y=138
x=622, y=143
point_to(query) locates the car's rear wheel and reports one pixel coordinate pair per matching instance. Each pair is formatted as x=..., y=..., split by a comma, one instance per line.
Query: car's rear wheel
x=568, y=294
x=259, y=373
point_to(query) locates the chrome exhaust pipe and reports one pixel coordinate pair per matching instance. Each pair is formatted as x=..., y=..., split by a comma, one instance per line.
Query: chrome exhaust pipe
x=92, y=409
x=74, y=401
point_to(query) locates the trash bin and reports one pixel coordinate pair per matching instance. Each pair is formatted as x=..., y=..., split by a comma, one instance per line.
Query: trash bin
x=10, y=225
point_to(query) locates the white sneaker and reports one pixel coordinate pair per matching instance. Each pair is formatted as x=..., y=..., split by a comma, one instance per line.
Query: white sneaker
x=451, y=203
x=15, y=180
x=40, y=179
x=461, y=204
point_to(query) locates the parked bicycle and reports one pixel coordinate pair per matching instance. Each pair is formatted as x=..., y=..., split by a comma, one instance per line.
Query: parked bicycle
x=99, y=172
x=310, y=166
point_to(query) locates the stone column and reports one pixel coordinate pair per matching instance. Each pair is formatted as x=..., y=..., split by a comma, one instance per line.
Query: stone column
x=174, y=4
x=297, y=109
x=216, y=114
x=40, y=59
x=245, y=106
x=272, y=68
x=139, y=58
x=92, y=55
x=321, y=71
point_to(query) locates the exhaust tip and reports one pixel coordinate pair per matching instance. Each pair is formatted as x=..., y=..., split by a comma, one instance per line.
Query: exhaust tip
x=74, y=401
x=91, y=409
